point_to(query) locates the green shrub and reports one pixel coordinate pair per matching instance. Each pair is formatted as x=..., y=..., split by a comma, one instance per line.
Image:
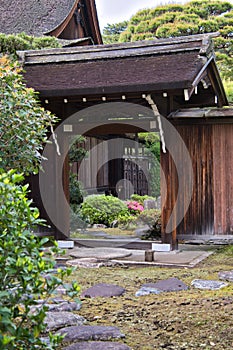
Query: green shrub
x=127, y=222
x=101, y=209
x=23, y=123
x=10, y=43
x=22, y=265
x=76, y=190
x=141, y=199
x=152, y=218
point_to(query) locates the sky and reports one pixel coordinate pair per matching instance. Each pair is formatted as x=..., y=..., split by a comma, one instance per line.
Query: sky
x=115, y=11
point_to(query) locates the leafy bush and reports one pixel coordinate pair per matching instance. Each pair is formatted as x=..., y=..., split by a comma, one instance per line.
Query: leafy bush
x=76, y=190
x=140, y=199
x=22, y=263
x=127, y=222
x=101, y=209
x=10, y=43
x=23, y=123
x=152, y=218
x=229, y=90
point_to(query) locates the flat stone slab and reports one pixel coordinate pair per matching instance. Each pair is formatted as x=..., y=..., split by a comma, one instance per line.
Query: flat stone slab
x=103, y=290
x=56, y=320
x=91, y=263
x=226, y=275
x=208, y=284
x=59, y=307
x=100, y=253
x=97, y=345
x=85, y=333
x=169, y=285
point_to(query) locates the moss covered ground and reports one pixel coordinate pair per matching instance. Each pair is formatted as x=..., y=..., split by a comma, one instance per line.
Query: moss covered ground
x=192, y=319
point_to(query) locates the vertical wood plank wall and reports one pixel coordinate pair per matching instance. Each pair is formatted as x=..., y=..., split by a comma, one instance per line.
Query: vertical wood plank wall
x=94, y=171
x=210, y=147
x=223, y=178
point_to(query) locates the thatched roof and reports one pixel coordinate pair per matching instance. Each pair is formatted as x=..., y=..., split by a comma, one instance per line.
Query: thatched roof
x=50, y=17
x=34, y=17
x=185, y=65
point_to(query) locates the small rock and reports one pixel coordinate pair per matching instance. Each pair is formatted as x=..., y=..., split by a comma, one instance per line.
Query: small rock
x=56, y=320
x=97, y=345
x=103, y=290
x=149, y=204
x=146, y=291
x=226, y=275
x=99, y=226
x=208, y=284
x=142, y=231
x=85, y=333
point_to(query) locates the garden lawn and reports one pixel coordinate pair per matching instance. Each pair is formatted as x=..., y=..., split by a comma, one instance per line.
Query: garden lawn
x=193, y=319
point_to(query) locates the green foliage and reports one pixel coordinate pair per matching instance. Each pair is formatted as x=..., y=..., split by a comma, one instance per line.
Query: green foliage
x=76, y=190
x=11, y=43
x=22, y=264
x=112, y=32
x=152, y=218
x=126, y=222
x=77, y=150
x=101, y=209
x=23, y=123
x=152, y=142
x=140, y=199
x=176, y=29
x=228, y=84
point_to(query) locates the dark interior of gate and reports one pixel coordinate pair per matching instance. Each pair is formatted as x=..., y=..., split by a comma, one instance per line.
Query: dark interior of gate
x=164, y=77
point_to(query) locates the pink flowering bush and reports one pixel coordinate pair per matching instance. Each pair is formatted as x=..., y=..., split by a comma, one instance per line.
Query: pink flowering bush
x=134, y=207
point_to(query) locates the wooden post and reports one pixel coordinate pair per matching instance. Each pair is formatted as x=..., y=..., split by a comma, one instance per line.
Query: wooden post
x=63, y=215
x=149, y=255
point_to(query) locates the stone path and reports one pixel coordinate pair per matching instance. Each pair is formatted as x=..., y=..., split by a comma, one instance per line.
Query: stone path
x=62, y=316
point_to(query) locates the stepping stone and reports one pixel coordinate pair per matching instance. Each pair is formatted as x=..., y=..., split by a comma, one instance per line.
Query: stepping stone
x=65, y=306
x=62, y=290
x=170, y=285
x=100, y=253
x=58, y=307
x=92, y=263
x=226, y=275
x=103, y=290
x=85, y=333
x=97, y=345
x=208, y=284
x=56, y=320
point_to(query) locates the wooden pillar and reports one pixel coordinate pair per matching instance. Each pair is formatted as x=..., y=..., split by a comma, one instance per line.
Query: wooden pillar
x=62, y=190
x=168, y=199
